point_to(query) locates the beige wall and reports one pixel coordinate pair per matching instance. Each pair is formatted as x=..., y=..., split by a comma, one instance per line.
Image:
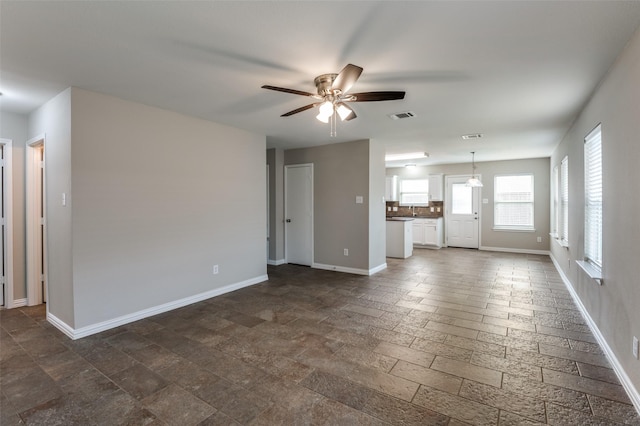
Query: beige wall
x=275, y=160
x=156, y=198
x=54, y=121
x=14, y=127
x=495, y=239
x=614, y=305
x=341, y=172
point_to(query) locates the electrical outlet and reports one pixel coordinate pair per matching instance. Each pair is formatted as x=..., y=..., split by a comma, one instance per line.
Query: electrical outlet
x=346, y=252
x=438, y=209
x=635, y=347
x=539, y=239
x=215, y=269
x=432, y=209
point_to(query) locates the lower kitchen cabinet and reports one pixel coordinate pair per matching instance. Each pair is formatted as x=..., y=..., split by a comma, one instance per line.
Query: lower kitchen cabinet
x=428, y=233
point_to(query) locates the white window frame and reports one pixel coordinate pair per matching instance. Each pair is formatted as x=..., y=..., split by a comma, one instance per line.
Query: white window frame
x=593, y=198
x=555, y=190
x=402, y=193
x=497, y=202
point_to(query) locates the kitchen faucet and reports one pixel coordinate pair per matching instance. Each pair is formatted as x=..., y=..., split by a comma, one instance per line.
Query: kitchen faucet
x=413, y=210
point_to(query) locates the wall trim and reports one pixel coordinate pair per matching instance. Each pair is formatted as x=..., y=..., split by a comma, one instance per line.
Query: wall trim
x=77, y=333
x=18, y=303
x=515, y=250
x=634, y=394
x=276, y=262
x=348, y=270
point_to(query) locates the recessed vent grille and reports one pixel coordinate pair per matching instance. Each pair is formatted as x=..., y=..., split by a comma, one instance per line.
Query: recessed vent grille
x=472, y=136
x=401, y=115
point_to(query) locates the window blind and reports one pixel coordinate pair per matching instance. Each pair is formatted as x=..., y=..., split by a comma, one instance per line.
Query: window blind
x=554, y=201
x=564, y=200
x=593, y=197
x=513, y=201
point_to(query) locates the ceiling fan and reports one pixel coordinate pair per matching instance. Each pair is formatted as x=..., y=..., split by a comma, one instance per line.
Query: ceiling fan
x=332, y=96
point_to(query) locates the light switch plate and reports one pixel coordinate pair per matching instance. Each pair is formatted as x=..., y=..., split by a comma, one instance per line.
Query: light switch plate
x=485, y=201
x=359, y=199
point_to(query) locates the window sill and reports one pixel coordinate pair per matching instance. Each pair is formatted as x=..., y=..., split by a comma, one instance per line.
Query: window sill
x=562, y=243
x=593, y=272
x=508, y=229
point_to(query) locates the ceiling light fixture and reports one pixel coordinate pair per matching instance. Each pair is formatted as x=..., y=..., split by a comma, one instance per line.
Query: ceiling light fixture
x=330, y=110
x=407, y=156
x=473, y=181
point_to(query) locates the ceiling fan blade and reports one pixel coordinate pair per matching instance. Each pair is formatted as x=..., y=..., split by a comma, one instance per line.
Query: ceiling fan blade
x=292, y=91
x=377, y=96
x=349, y=75
x=297, y=110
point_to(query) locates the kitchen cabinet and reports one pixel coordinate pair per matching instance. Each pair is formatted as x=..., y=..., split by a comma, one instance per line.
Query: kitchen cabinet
x=391, y=188
x=436, y=185
x=428, y=232
x=399, y=237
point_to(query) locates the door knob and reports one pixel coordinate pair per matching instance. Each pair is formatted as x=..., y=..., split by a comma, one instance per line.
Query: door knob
x=288, y=220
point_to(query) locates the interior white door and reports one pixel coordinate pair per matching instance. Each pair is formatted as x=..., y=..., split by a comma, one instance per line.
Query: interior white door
x=298, y=213
x=462, y=213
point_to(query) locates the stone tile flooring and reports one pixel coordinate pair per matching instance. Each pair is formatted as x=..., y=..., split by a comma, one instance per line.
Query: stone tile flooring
x=446, y=337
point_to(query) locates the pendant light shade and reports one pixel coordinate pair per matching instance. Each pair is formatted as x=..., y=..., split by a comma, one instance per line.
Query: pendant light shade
x=473, y=181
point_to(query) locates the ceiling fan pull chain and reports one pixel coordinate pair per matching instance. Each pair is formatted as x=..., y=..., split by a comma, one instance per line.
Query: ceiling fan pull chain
x=333, y=119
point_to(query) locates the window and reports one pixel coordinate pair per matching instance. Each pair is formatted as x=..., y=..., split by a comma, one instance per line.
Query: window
x=461, y=199
x=593, y=198
x=513, y=202
x=563, y=214
x=555, y=182
x=414, y=192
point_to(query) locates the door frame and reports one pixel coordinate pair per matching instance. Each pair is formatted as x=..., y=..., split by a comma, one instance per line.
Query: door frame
x=447, y=206
x=286, y=208
x=7, y=191
x=35, y=246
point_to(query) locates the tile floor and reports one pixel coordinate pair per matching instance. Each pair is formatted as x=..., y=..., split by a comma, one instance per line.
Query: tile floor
x=446, y=337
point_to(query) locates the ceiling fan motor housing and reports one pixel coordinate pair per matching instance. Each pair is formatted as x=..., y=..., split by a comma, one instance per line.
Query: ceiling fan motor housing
x=323, y=84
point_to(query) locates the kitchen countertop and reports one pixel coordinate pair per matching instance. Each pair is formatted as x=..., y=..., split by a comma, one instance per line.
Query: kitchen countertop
x=399, y=219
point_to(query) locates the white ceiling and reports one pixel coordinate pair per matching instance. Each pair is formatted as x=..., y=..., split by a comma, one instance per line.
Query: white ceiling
x=518, y=72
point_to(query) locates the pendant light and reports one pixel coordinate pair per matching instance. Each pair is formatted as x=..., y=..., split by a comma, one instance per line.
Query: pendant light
x=473, y=181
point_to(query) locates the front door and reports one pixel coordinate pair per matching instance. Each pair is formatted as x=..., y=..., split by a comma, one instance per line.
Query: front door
x=462, y=213
x=298, y=214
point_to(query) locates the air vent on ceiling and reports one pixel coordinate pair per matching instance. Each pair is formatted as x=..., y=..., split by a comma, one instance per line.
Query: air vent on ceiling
x=472, y=136
x=400, y=115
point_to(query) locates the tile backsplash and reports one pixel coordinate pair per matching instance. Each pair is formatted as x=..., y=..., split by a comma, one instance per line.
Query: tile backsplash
x=406, y=211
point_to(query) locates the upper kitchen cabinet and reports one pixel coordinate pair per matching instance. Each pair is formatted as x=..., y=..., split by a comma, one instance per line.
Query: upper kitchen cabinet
x=391, y=188
x=436, y=184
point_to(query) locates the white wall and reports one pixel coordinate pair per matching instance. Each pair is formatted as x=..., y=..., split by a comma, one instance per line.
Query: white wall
x=156, y=199
x=499, y=239
x=14, y=127
x=614, y=306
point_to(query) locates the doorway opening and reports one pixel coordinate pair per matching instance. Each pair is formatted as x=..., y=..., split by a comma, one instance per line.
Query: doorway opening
x=6, y=225
x=36, y=222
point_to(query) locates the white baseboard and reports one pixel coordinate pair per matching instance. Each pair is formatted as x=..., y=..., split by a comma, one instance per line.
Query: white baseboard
x=276, y=262
x=628, y=386
x=145, y=313
x=515, y=250
x=349, y=270
x=17, y=303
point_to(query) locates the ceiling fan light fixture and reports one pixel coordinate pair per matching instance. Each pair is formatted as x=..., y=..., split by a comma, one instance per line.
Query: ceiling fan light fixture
x=323, y=118
x=344, y=112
